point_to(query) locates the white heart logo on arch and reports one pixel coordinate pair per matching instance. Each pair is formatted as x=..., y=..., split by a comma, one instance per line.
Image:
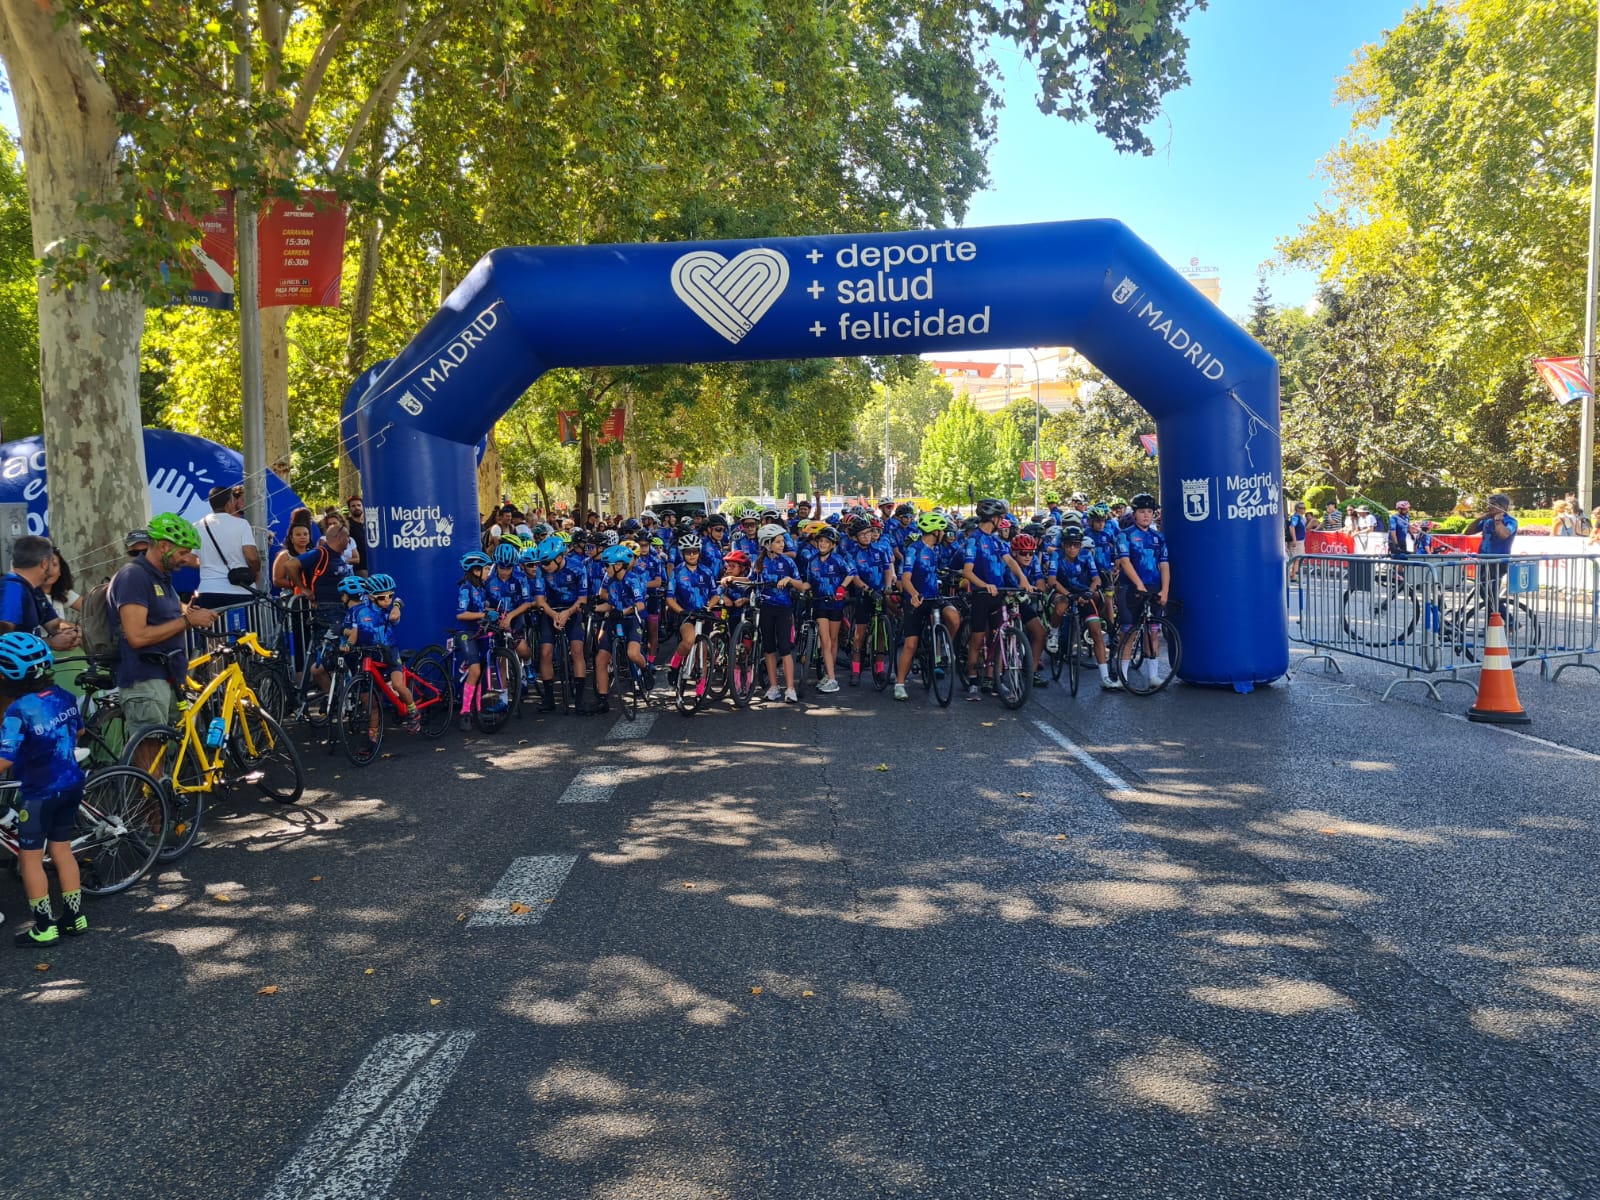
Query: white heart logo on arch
x=730, y=294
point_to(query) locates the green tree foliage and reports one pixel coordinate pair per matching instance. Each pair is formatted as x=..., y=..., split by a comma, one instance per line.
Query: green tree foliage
x=1096, y=443
x=958, y=455
x=19, y=303
x=1458, y=207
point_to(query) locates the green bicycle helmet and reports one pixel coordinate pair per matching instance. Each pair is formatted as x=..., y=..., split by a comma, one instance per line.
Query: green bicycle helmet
x=933, y=522
x=170, y=527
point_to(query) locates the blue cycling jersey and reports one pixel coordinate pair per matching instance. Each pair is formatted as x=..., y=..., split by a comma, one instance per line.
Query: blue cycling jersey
x=771, y=570
x=1032, y=568
x=827, y=575
x=506, y=594
x=37, y=736
x=712, y=555
x=924, y=563
x=1104, y=545
x=1146, y=549
x=470, y=597
x=986, y=554
x=873, y=563
x=564, y=587
x=749, y=545
x=625, y=593
x=693, y=589
x=804, y=557
x=1077, y=573
x=371, y=624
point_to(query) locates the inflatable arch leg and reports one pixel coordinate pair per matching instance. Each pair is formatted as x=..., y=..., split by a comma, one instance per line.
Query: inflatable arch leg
x=1090, y=284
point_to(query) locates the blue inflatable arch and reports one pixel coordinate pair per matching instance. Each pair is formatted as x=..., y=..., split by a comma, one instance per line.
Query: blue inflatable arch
x=1212, y=390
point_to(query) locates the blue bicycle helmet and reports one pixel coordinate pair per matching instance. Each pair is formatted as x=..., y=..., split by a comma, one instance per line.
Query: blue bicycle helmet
x=378, y=584
x=505, y=554
x=613, y=555
x=551, y=549
x=529, y=556
x=352, y=585
x=474, y=559
x=24, y=656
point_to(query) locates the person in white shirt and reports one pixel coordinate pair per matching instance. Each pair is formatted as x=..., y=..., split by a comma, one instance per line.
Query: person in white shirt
x=227, y=543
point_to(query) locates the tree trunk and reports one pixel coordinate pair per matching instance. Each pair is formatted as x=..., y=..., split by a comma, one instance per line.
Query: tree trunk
x=275, y=387
x=586, y=480
x=88, y=336
x=489, y=476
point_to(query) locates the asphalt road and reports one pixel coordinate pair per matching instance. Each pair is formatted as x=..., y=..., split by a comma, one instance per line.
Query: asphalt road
x=1293, y=944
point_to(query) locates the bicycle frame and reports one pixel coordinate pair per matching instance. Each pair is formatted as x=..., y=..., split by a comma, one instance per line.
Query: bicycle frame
x=235, y=692
x=418, y=685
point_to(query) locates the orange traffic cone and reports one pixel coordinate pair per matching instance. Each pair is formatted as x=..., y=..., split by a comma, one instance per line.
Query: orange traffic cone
x=1497, y=682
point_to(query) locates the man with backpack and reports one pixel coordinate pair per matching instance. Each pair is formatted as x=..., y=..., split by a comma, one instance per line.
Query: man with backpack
x=230, y=561
x=23, y=605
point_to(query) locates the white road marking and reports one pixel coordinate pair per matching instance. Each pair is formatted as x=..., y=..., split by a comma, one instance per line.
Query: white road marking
x=360, y=1144
x=527, y=881
x=1101, y=772
x=593, y=785
x=636, y=728
x=1527, y=737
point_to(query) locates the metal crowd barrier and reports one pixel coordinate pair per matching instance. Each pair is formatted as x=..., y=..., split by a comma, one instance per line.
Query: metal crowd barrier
x=261, y=616
x=1429, y=614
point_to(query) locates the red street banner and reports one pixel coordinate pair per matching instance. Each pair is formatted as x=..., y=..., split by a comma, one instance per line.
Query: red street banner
x=567, y=428
x=1046, y=470
x=614, y=426
x=211, y=281
x=676, y=470
x=1565, y=378
x=302, y=251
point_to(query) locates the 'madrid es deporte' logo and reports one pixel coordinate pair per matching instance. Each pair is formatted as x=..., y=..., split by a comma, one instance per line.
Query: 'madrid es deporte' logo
x=1176, y=336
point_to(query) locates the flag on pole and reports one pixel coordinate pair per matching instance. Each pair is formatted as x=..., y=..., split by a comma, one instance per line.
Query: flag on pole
x=1148, y=441
x=1565, y=378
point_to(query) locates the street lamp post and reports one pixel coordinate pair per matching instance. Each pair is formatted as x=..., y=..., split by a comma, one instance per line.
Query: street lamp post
x=1586, y=433
x=1038, y=467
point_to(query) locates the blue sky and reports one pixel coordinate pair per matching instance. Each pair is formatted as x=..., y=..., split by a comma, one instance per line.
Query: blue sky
x=1236, y=156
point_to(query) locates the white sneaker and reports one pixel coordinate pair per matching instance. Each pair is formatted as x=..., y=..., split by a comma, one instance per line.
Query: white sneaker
x=1110, y=684
x=1053, y=642
x=1131, y=674
x=829, y=686
x=775, y=693
x=900, y=691
x=791, y=697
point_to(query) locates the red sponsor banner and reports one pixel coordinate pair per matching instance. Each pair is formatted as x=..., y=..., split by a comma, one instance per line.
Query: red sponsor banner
x=614, y=426
x=212, y=261
x=566, y=427
x=1045, y=470
x=302, y=251
x=569, y=427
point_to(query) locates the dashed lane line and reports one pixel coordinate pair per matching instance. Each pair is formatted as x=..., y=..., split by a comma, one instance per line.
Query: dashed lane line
x=529, y=883
x=361, y=1143
x=1100, y=771
x=592, y=785
x=626, y=729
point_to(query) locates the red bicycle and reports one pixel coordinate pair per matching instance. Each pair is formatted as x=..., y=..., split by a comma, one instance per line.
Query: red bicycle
x=365, y=699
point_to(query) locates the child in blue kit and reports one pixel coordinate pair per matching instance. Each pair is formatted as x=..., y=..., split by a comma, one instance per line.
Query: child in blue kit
x=38, y=737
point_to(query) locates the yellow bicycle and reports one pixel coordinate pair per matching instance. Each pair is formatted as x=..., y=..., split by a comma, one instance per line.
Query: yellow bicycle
x=225, y=739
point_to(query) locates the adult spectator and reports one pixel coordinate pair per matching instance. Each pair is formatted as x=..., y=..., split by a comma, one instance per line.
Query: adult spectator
x=154, y=625
x=296, y=542
x=1332, y=522
x=1564, y=522
x=230, y=561
x=317, y=572
x=1496, y=526
x=1295, y=539
x=24, y=606
x=63, y=597
x=356, y=513
x=1594, y=528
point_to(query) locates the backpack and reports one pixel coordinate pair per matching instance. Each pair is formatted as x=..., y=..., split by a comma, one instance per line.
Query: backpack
x=102, y=639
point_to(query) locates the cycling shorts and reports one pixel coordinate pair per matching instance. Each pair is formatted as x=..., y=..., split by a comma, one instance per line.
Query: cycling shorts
x=925, y=613
x=776, y=626
x=1029, y=612
x=983, y=611
x=48, y=817
x=1128, y=601
x=621, y=629
x=547, y=629
x=384, y=656
x=863, y=608
x=654, y=604
x=471, y=647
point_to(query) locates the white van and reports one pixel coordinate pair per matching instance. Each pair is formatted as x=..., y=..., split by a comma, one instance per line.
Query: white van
x=683, y=501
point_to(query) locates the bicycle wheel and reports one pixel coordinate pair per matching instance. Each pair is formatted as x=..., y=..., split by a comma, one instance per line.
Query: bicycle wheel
x=622, y=684
x=1060, y=656
x=107, y=736
x=805, y=649
x=941, y=663
x=1137, y=667
x=1385, y=616
x=747, y=661
x=121, y=829
x=1067, y=648
x=270, y=682
x=562, y=653
x=1013, y=676
x=360, y=706
x=720, y=670
x=431, y=689
x=692, y=678
x=963, y=642
x=494, y=696
x=877, y=649
x=270, y=761
x=186, y=795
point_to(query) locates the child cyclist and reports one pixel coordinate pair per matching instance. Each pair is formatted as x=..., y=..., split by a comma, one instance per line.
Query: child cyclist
x=871, y=570
x=780, y=581
x=919, y=581
x=510, y=592
x=735, y=570
x=559, y=596
x=621, y=603
x=1142, y=557
x=369, y=626
x=472, y=611
x=37, y=738
x=1025, y=551
x=1077, y=580
x=827, y=571
x=693, y=585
